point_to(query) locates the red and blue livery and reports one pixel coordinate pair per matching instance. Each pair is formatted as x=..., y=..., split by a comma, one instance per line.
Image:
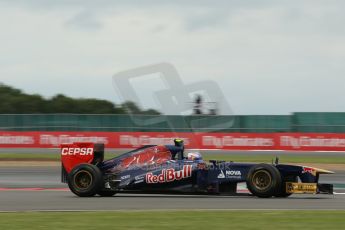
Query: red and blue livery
x=168, y=169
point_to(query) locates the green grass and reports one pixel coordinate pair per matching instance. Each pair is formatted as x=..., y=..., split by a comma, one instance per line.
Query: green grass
x=166, y=220
x=227, y=157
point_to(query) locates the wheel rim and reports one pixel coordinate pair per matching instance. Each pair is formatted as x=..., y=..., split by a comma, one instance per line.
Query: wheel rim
x=262, y=180
x=83, y=179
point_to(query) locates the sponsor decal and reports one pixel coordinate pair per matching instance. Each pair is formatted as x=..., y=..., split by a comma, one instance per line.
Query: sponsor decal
x=125, y=177
x=16, y=140
x=229, y=174
x=76, y=151
x=221, y=174
x=141, y=177
x=169, y=175
x=231, y=141
x=307, y=141
x=301, y=187
x=56, y=140
x=233, y=174
x=136, y=141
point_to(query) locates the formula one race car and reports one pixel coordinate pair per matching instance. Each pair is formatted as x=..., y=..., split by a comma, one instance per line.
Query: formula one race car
x=167, y=169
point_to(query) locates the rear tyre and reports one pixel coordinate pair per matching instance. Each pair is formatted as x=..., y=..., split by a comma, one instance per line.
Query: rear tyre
x=282, y=192
x=106, y=193
x=85, y=180
x=263, y=180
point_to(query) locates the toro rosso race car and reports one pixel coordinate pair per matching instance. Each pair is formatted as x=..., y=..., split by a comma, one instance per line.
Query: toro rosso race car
x=167, y=169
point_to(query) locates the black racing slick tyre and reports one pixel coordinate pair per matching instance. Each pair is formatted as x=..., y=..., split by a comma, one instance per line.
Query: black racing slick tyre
x=282, y=191
x=85, y=180
x=106, y=193
x=264, y=180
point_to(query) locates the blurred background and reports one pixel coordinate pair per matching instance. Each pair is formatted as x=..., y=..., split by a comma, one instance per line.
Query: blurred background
x=20, y=111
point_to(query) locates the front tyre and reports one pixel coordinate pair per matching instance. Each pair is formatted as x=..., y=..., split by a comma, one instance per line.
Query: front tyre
x=282, y=191
x=264, y=180
x=85, y=180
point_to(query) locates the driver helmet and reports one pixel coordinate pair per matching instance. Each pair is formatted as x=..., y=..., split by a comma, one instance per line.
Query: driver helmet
x=178, y=142
x=194, y=156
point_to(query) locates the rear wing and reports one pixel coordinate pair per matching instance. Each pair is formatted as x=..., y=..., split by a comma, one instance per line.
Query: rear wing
x=78, y=153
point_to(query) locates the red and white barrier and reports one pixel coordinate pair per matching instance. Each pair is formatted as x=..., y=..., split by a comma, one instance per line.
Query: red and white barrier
x=226, y=141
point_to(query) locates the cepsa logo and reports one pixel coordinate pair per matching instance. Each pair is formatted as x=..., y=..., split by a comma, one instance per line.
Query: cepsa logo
x=77, y=151
x=169, y=175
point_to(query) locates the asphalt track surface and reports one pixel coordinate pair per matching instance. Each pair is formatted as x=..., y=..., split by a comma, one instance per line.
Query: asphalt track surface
x=63, y=200
x=39, y=188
